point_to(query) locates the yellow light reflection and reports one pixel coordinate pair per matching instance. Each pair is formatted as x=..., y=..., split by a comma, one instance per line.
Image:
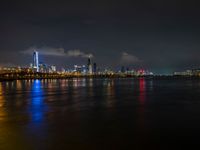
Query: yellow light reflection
x=19, y=84
x=2, y=103
x=110, y=94
x=1, y=96
x=10, y=136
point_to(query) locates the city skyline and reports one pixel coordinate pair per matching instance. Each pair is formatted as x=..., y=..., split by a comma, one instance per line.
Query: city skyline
x=41, y=70
x=99, y=74
x=35, y=63
x=158, y=35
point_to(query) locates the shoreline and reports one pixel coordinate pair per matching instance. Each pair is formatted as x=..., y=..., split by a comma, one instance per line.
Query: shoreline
x=99, y=76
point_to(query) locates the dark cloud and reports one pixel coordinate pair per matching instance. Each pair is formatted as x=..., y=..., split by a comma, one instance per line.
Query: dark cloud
x=129, y=59
x=164, y=34
x=50, y=51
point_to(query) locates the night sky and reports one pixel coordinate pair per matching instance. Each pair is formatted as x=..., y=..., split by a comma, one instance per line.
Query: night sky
x=162, y=36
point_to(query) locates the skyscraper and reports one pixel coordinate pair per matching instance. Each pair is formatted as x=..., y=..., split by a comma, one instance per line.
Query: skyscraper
x=89, y=65
x=94, y=67
x=35, y=61
x=89, y=61
x=122, y=69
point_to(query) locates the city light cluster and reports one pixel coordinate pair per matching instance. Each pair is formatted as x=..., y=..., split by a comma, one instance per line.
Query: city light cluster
x=192, y=72
x=41, y=70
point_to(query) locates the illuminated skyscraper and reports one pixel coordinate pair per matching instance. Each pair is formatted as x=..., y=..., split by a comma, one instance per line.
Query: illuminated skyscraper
x=35, y=61
x=53, y=68
x=89, y=65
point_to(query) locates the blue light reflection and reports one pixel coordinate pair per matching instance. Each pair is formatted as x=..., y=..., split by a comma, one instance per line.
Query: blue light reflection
x=37, y=103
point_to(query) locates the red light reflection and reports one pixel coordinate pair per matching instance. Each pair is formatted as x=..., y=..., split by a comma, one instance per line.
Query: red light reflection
x=142, y=91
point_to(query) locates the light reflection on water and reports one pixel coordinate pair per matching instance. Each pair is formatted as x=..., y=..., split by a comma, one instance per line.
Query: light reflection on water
x=37, y=101
x=142, y=92
x=80, y=112
x=1, y=95
x=2, y=102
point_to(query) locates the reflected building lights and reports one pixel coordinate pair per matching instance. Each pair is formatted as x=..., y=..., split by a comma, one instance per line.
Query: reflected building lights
x=75, y=82
x=142, y=90
x=1, y=95
x=79, y=82
x=90, y=82
x=141, y=110
x=37, y=101
x=2, y=103
x=90, y=87
x=83, y=82
x=19, y=84
x=63, y=83
x=110, y=94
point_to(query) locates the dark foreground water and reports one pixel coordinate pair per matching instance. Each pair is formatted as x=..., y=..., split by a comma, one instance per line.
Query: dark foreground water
x=101, y=114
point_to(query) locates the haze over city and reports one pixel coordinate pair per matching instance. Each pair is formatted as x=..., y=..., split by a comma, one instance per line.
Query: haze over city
x=162, y=36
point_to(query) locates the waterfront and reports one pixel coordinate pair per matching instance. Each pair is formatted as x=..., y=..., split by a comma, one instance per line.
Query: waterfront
x=80, y=113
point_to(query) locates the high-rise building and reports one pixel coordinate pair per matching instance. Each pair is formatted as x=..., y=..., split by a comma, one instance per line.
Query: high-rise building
x=89, y=65
x=94, y=67
x=89, y=61
x=122, y=69
x=53, y=68
x=90, y=69
x=84, y=69
x=77, y=68
x=35, y=61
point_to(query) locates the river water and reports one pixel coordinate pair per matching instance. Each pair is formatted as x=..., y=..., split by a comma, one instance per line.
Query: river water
x=101, y=114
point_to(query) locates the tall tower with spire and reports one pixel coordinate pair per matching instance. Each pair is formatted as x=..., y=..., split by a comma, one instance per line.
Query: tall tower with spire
x=35, y=61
